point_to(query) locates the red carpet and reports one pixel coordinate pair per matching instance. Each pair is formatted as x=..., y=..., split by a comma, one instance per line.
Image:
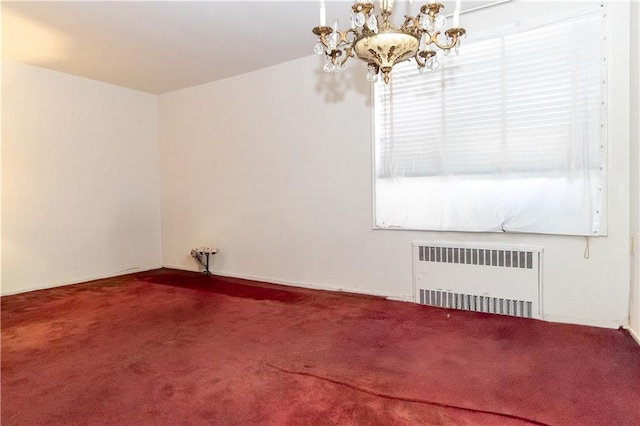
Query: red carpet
x=170, y=348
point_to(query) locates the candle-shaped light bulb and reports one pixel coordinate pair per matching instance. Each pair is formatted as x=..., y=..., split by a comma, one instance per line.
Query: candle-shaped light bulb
x=323, y=14
x=456, y=15
x=386, y=5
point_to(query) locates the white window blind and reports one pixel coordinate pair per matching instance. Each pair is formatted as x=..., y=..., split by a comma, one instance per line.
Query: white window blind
x=508, y=136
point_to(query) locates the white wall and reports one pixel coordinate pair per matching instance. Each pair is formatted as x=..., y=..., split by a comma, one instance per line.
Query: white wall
x=634, y=317
x=274, y=168
x=80, y=177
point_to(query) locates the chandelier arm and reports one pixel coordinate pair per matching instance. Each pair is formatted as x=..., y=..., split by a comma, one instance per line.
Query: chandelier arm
x=453, y=33
x=434, y=39
x=415, y=26
x=324, y=32
x=341, y=40
x=344, y=34
x=405, y=25
x=348, y=54
x=419, y=61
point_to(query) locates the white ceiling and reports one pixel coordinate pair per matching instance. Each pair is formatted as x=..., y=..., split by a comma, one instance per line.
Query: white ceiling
x=161, y=46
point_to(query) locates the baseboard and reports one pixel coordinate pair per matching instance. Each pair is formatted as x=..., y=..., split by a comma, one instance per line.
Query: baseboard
x=577, y=321
x=633, y=334
x=301, y=284
x=184, y=268
x=401, y=298
x=404, y=298
x=84, y=280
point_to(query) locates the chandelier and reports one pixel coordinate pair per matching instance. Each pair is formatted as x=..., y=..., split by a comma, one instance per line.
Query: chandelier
x=381, y=44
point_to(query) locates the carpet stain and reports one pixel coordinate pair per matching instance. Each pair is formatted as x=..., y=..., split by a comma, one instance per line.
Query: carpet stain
x=227, y=286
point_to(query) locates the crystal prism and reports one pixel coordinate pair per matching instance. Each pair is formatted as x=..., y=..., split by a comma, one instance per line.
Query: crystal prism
x=359, y=19
x=425, y=23
x=318, y=49
x=422, y=20
x=372, y=23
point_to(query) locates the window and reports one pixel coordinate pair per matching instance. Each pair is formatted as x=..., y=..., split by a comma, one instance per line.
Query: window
x=509, y=136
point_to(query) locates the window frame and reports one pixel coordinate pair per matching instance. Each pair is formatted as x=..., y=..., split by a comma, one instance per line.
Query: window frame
x=603, y=137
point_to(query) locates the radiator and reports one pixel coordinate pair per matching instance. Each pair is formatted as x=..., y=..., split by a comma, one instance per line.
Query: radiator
x=495, y=279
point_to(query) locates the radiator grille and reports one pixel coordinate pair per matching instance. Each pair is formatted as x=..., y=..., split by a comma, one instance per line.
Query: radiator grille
x=491, y=278
x=476, y=256
x=470, y=302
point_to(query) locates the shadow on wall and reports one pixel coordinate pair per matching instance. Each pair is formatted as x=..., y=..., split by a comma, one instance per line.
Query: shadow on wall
x=336, y=85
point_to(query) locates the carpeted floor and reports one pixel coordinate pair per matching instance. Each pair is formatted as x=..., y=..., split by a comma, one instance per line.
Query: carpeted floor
x=178, y=348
